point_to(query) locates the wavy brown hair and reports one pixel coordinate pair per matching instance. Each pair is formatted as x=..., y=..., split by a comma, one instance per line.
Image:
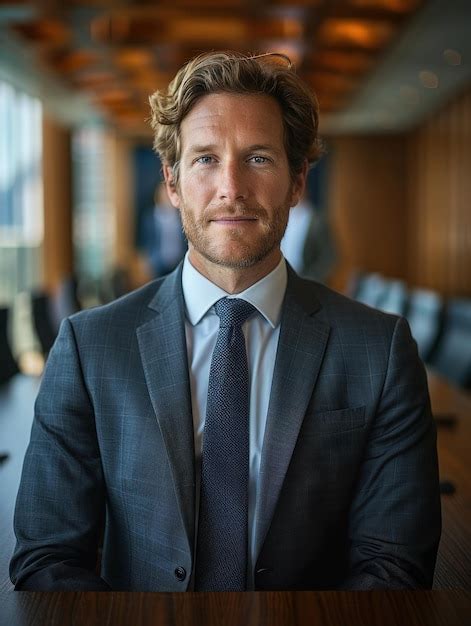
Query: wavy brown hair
x=232, y=72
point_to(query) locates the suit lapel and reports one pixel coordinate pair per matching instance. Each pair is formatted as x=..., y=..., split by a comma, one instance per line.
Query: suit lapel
x=162, y=346
x=301, y=346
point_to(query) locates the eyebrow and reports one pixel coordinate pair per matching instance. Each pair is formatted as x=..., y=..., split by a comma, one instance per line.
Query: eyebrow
x=201, y=149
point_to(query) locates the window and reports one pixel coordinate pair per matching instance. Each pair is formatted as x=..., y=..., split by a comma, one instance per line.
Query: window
x=93, y=212
x=21, y=192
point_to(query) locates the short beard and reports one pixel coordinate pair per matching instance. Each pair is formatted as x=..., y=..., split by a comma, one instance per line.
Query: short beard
x=248, y=257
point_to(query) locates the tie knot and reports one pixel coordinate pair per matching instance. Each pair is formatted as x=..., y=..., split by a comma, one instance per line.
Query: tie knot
x=233, y=311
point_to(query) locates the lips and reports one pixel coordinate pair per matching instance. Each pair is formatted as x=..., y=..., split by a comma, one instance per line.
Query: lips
x=232, y=218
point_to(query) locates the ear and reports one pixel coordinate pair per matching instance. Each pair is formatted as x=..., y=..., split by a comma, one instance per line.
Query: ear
x=171, y=186
x=299, y=184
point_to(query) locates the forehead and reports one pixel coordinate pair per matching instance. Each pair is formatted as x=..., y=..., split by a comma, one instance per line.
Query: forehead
x=238, y=117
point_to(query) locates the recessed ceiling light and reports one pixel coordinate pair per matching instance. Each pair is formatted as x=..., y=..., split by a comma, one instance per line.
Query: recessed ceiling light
x=453, y=57
x=428, y=79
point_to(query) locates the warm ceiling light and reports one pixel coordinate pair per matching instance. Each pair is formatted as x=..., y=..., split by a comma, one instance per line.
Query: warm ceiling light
x=395, y=6
x=212, y=4
x=134, y=58
x=290, y=49
x=114, y=96
x=75, y=61
x=119, y=28
x=342, y=61
x=428, y=79
x=290, y=28
x=95, y=79
x=453, y=57
x=310, y=4
x=329, y=82
x=204, y=29
x=349, y=32
x=150, y=82
x=45, y=31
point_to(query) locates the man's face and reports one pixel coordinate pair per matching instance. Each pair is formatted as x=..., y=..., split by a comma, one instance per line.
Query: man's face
x=234, y=190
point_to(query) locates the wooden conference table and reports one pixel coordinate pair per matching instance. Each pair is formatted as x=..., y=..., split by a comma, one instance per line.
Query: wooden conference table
x=378, y=608
x=448, y=604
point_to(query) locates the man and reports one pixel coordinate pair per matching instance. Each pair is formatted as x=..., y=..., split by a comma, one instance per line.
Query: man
x=279, y=439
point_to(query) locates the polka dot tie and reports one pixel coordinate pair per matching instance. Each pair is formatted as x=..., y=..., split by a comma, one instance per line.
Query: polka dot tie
x=221, y=556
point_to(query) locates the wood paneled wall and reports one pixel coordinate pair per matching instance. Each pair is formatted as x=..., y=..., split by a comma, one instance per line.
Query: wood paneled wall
x=439, y=218
x=57, y=176
x=367, y=194
x=119, y=175
x=401, y=205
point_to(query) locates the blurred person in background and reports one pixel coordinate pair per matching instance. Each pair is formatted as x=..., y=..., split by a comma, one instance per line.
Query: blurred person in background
x=308, y=244
x=162, y=237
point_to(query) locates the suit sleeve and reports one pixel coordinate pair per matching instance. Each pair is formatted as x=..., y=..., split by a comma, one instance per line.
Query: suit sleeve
x=395, y=519
x=61, y=500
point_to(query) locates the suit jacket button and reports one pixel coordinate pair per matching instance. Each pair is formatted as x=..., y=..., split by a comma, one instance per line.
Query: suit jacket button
x=180, y=573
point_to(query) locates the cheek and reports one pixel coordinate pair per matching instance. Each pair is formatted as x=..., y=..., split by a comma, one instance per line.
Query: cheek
x=276, y=188
x=194, y=189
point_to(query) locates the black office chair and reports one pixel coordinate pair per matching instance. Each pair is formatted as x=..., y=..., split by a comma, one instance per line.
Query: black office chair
x=452, y=355
x=8, y=366
x=44, y=320
x=65, y=300
x=425, y=316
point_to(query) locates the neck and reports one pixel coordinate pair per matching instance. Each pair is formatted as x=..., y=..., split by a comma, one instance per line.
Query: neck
x=234, y=280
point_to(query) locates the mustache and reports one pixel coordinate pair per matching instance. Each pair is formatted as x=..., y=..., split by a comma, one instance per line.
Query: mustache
x=235, y=210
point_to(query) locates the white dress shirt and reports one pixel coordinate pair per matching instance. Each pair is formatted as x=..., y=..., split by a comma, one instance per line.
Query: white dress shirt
x=261, y=333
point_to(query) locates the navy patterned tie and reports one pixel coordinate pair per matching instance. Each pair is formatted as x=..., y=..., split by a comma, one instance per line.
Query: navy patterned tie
x=221, y=559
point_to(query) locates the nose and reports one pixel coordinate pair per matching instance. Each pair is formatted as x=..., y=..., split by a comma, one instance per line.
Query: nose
x=232, y=182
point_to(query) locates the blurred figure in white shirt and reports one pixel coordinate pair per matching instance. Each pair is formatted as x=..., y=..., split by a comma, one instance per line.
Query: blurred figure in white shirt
x=308, y=244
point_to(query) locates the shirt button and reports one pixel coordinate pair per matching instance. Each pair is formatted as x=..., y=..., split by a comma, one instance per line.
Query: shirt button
x=180, y=573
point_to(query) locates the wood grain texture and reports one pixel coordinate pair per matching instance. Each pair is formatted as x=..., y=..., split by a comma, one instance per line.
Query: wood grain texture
x=367, y=200
x=400, y=205
x=453, y=568
x=439, y=215
x=57, y=181
x=433, y=608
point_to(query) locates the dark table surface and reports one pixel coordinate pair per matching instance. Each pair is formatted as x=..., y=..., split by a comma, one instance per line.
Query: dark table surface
x=381, y=608
x=453, y=569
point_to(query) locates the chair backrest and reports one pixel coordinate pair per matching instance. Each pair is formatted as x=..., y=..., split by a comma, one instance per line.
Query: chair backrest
x=43, y=319
x=65, y=301
x=8, y=366
x=452, y=355
x=394, y=297
x=425, y=316
x=370, y=289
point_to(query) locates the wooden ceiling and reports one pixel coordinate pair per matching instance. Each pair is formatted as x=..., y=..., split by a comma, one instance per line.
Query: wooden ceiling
x=120, y=52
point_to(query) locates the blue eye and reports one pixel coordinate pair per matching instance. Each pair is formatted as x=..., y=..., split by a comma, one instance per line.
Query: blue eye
x=205, y=160
x=259, y=159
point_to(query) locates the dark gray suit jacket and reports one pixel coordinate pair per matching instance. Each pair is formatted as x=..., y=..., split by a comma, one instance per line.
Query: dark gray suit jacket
x=349, y=484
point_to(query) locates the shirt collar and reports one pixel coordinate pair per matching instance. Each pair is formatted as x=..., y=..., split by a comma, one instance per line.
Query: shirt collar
x=266, y=295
